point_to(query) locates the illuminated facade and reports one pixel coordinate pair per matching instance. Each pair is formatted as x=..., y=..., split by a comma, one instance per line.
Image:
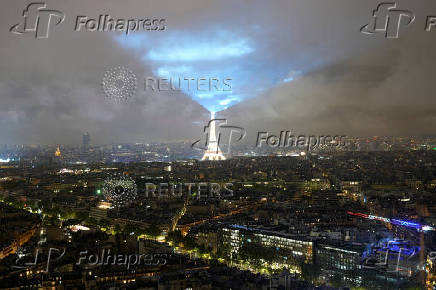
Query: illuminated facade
x=294, y=250
x=337, y=257
x=19, y=240
x=430, y=269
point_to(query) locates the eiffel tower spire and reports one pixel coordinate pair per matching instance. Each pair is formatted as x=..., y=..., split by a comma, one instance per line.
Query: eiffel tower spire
x=213, y=151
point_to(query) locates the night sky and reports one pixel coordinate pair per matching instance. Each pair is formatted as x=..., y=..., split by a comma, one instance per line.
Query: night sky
x=300, y=65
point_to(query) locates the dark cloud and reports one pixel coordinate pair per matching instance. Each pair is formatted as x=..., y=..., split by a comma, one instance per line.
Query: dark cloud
x=349, y=83
x=384, y=94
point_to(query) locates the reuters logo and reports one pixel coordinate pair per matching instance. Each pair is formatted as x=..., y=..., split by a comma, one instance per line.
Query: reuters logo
x=120, y=190
x=119, y=84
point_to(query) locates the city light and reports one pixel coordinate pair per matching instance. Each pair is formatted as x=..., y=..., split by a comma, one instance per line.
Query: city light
x=217, y=145
x=393, y=221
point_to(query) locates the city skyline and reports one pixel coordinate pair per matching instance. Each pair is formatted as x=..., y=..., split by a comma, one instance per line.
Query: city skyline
x=206, y=144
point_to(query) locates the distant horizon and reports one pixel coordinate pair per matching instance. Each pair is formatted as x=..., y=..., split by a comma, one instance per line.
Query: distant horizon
x=190, y=141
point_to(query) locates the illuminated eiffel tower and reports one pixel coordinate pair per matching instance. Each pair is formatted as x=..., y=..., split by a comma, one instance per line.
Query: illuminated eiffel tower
x=213, y=151
x=58, y=152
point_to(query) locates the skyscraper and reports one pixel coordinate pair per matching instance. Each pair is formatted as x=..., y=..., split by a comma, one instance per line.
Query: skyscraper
x=86, y=141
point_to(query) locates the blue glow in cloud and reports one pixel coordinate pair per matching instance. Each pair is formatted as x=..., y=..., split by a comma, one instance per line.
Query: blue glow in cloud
x=167, y=71
x=220, y=54
x=202, y=52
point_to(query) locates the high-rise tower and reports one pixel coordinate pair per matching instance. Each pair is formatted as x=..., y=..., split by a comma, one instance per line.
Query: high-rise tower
x=213, y=151
x=86, y=141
